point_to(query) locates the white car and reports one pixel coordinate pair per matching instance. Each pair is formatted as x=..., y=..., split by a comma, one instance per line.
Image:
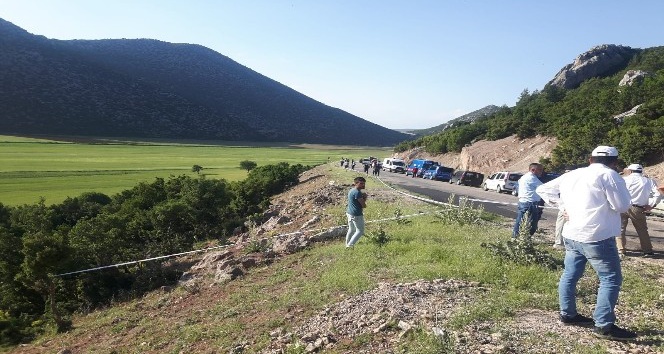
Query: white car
x=502, y=181
x=394, y=165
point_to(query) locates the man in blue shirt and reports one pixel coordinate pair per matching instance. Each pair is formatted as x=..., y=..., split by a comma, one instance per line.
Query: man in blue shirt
x=528, y=199
x=356, y=202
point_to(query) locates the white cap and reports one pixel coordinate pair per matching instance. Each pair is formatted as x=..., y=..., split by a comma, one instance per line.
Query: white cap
x=605, y=151
x=635, y=167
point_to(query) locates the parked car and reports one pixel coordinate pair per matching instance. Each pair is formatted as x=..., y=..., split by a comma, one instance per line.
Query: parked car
x=549, y=176
x=366, y=160
x=394, y=165
x=502, y=181
x=546, y=177
x=421, y=165
x=467, y=178
x=439, y=173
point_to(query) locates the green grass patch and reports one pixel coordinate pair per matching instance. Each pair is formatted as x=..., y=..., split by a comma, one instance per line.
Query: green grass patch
x=34, y=168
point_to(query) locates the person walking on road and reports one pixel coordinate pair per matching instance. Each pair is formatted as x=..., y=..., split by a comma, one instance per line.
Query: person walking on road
x=641, y=189
x=528, y=206
x=594, y=197
x=357, y=200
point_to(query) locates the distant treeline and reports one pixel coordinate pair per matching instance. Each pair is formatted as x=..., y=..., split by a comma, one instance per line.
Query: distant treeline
x=581, y=118
x=163, y=217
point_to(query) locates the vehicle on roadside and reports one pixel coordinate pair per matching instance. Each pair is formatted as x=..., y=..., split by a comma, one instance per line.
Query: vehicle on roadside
x=503, y=181
x=438, y=173
x=367, y=160
x=467, y=178
x=421, y=166
x=546, y=177
x=394, y=165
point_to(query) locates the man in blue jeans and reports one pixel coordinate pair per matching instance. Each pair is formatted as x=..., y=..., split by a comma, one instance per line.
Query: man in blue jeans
x=356, y=202
x=593, y=198
x=529, y=200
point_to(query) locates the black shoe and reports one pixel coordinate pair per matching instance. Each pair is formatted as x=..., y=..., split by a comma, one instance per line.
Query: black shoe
x=614, y=332
x=578, y=320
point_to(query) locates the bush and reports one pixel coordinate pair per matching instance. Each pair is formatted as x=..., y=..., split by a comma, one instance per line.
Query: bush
x=94, y=230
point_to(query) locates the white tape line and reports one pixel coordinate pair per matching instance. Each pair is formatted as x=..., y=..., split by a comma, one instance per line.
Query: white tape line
x=427, y=200
x=139, y=261
x=117, y=265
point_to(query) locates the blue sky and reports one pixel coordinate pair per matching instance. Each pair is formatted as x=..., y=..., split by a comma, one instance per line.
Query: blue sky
x=400, y=64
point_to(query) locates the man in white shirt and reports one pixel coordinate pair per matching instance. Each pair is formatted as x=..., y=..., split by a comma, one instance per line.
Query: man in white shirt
x=641, y=189
x=529, y=200
x=594, y=197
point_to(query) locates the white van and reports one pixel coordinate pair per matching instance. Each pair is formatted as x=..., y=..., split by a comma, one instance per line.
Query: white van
x=394, y=165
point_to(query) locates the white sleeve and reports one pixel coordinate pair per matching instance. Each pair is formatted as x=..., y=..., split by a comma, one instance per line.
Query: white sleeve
x=617, y=194
x=550, y=192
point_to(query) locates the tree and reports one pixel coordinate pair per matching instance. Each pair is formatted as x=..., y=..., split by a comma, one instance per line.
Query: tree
x=197, y=169
x=248, y=165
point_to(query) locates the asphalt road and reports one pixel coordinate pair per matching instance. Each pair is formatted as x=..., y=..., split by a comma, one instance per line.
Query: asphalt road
x=505, y=205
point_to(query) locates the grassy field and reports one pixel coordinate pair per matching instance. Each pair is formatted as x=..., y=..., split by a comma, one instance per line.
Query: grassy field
x=35, y=168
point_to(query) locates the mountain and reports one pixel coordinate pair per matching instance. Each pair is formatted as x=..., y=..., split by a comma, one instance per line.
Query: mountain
x=466, y=118
x=145, y=88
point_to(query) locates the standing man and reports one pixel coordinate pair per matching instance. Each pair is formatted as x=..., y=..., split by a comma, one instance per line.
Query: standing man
x=594, y=197
x=640, y=189
x=357, y=200
x=529, y=200
x=376, y=169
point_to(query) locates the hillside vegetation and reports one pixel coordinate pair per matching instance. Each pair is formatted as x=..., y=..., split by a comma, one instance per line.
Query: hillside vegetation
x=166, y=216
x=580, y=118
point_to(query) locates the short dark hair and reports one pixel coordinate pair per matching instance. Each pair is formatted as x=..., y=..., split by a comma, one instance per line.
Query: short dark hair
x=359, y=179
x=534, y=165
x=605, y=160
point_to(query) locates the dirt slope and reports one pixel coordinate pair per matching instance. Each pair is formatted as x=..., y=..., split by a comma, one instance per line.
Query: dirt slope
x=508, y=154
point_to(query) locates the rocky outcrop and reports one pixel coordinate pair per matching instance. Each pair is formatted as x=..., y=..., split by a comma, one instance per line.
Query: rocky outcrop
x=620, y=117
x=633, y=76
x=599, y=61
